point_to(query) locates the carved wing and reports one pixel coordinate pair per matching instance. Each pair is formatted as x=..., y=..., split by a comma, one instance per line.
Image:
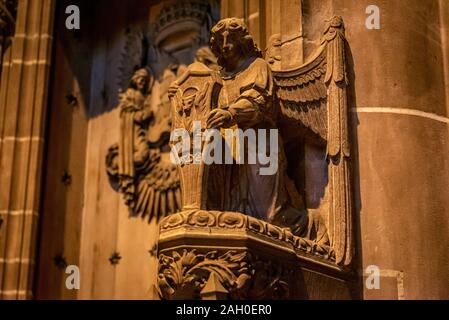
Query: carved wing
x=158, y=193
x=315, y=95
x=302, y=94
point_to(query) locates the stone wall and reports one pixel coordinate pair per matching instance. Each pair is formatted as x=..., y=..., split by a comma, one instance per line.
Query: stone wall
x=53, y=154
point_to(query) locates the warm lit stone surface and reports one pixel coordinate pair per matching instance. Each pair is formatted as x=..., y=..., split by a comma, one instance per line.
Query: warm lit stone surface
x=400, y=86
x=403, y=200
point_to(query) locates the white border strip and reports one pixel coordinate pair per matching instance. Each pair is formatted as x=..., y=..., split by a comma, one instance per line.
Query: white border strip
x=410, y=112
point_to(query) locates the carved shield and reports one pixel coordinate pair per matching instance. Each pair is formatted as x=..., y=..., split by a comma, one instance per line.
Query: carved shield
x=193, y=96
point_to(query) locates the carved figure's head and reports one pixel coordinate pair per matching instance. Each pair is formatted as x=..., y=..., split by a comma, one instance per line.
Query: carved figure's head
x=141, y=80
x=231, y=42
x=188, y=100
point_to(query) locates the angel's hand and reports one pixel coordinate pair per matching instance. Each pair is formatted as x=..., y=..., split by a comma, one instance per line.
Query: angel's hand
x=219, y=118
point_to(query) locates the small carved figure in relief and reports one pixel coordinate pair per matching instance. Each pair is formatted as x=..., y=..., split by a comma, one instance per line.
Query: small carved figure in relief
x=134, y=114
x=139, y=164
x=246, y=101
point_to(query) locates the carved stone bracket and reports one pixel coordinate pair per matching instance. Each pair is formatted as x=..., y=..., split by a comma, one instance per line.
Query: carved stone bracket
x=228, y=255
x=222, y=221
x=221, y=274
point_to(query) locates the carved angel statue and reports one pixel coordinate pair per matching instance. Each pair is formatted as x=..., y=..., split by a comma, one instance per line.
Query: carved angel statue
x=254, y=95
x=247, y=101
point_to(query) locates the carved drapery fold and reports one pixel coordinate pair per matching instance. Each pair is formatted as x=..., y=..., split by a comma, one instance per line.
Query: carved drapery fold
x=340, y=211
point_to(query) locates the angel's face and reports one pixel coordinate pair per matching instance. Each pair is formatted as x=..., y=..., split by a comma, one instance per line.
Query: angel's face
x=227, y=37
x=230, y=47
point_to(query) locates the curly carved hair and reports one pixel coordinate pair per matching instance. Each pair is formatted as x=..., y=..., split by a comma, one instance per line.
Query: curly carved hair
x=234, y=25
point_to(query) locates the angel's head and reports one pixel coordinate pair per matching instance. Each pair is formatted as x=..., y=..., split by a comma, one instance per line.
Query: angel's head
x=231, y=42
x=141, y=80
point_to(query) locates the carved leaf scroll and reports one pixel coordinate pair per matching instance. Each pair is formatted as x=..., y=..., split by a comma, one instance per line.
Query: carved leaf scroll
x=183, y=275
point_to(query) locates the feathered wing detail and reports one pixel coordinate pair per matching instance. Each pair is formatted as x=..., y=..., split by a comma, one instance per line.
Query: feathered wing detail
x=315, y=95
x=302, y=94
x=338, y=150
x=158, y=193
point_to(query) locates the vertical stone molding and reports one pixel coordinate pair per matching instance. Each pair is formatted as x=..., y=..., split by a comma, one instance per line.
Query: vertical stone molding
x=23, y=102
x=400, y=125
x=253, y=13
x=444, y=25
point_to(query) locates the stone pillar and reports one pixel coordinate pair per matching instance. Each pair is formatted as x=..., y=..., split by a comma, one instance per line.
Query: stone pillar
x=253, y=12
x=23, y=102
x=269, y=17
x=234, y=8
x=256, y=21
x=272, y=18
x=400, y=130
x=444, y=25
x=291, y=33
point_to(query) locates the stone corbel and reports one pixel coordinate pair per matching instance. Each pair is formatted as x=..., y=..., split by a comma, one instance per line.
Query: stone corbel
x=228, y=255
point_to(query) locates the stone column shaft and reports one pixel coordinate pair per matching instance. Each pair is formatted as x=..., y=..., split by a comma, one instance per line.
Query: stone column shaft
x=401, y=145
x=23, y=103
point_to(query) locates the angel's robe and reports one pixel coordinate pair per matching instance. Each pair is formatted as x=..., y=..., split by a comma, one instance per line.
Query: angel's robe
x=249, y=95
x=132, y=136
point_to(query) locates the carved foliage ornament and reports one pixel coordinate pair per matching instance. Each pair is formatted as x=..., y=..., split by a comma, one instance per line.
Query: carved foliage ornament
x=185, y=274
x=237, y=221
